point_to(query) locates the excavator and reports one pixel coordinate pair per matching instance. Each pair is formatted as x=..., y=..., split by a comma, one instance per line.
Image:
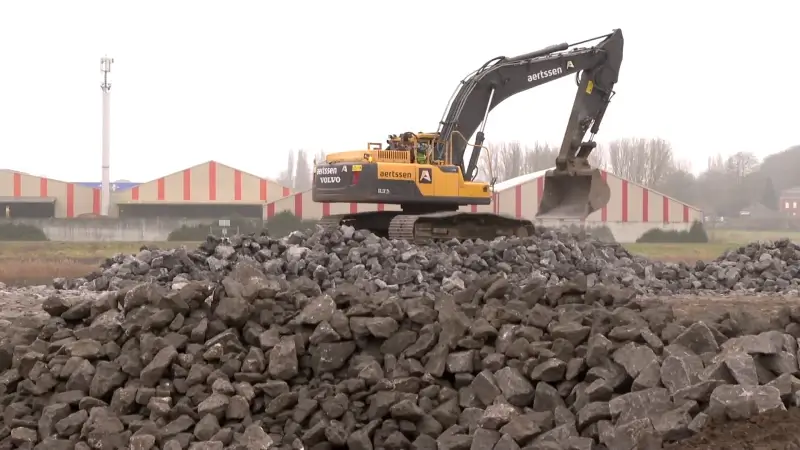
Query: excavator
x=426, y=173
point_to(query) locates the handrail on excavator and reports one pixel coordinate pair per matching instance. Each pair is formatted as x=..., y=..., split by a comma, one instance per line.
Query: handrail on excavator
x=473, y=145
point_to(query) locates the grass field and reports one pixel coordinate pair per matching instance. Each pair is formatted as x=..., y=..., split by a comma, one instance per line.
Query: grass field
x=720, y=240
x=23, y=263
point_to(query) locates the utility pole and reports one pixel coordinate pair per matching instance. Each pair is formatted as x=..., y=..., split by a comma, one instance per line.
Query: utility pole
x=105, y=190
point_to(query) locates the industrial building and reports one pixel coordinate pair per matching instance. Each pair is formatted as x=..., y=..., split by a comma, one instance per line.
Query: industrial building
x=29, y=196
x=211, y=189
x=632, y=210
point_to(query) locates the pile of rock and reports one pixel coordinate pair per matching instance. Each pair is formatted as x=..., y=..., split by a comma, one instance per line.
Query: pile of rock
x=344, y=339
x=551, y=256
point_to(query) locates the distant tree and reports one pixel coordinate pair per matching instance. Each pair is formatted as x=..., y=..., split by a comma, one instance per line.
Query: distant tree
x=679, y=184
x=740, y=165
x=538, y=157
x=286, y=177
x=319, y=157
x=769, y=196
x=302, y=173
x=643, y=161
x=507, y=160
x=489, y=163
x=781, y=168
x=599, y=158
x=730, y=184
x=716, y=163
x=726, y=186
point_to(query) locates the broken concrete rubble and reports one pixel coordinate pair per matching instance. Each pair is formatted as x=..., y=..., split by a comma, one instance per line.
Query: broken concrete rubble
x=339, y=338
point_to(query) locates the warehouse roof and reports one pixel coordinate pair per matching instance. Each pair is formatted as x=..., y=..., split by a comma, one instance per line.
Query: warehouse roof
x=522, y=179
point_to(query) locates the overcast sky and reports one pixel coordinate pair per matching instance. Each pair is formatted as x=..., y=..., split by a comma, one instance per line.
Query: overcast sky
x=243, y=82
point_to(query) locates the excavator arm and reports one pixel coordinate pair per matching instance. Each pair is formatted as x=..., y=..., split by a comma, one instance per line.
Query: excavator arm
x=500, y=78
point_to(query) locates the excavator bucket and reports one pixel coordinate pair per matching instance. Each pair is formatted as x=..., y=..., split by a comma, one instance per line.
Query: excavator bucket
x=573, y=196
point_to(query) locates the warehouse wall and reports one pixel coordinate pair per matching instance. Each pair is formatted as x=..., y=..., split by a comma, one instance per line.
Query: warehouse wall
x=630, y=203
x=210, y=182
x=72, y=199
x=641, y=211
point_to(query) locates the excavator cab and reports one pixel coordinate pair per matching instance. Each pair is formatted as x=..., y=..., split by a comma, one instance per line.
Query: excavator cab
x=420, y=145
x=573, y=195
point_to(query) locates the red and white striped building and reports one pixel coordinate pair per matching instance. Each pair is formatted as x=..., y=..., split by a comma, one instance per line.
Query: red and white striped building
x=632, y=210
x=208, y=183
x=201, y=188
x=213, y=189
x=45, y=197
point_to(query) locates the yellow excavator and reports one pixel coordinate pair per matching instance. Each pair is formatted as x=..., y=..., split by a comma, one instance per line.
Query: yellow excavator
x=426, y=175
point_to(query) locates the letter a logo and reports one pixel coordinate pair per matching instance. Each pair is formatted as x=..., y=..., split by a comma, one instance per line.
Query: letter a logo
x=425, y=176
x=570, y=65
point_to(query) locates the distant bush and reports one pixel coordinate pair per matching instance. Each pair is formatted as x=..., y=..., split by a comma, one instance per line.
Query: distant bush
x=21, y=232
x=278, y=226
x=285, y=222
x=696, y=234
x=601, y=233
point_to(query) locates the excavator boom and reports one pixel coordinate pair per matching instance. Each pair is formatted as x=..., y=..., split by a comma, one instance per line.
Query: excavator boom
x=573, y=189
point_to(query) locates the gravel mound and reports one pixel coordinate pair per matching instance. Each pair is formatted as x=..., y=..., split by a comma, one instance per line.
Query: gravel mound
x=759, y=267
x=343, y=339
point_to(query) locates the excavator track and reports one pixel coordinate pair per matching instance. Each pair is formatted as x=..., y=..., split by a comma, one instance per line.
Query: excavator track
x=419, y=228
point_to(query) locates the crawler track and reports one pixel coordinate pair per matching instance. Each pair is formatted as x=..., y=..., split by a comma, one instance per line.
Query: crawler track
x=437, y=226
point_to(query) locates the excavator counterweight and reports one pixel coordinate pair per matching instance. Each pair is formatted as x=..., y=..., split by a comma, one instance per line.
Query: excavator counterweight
x=424, y=182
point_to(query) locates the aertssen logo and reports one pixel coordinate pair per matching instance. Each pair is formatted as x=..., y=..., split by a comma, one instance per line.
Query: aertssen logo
x=395, y=175
x=544, y=74
x=327, y=171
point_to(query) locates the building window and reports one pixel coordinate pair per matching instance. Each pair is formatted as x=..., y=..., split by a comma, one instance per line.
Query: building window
x=785, y=205
x=794, y=205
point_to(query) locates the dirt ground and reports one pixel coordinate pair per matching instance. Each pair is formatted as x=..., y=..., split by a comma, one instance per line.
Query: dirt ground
x=779, y=430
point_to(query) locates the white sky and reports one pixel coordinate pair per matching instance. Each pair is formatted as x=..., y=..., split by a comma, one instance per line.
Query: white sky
x=243, y=82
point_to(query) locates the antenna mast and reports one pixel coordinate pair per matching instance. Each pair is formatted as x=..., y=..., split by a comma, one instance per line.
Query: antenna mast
x=105, y=190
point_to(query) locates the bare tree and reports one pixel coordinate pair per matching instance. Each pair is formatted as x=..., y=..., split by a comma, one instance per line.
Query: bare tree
x=741, y=164
x=626, y=159
x=643, y=161
x=319, y=157
x=660, y=160
x=716, y=163
x=599, y=158
x=286, y=177
x=682, y=165
x=512, y=159
x=302, y=173
x=538, y=157
x=489, y=163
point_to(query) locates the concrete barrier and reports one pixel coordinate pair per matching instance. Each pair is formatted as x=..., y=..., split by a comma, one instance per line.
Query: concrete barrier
x=156, y=230
x=108, y=230
x=624, y=232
